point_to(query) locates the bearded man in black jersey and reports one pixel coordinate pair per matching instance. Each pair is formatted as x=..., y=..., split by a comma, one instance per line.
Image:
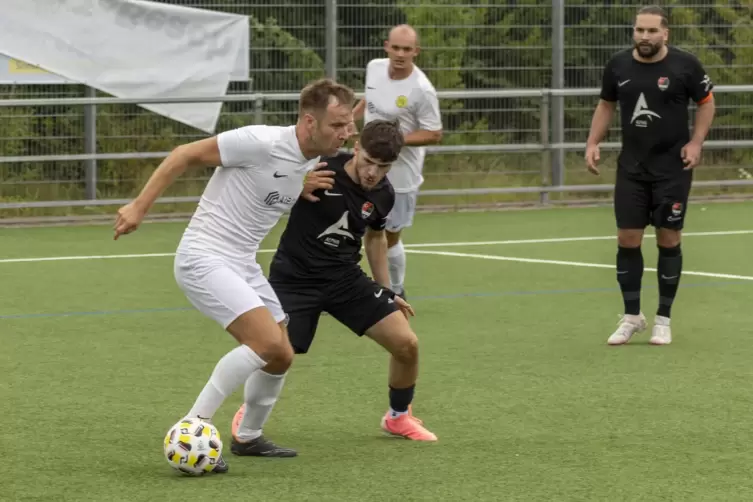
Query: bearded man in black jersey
x=316, y=269
x=653, y=83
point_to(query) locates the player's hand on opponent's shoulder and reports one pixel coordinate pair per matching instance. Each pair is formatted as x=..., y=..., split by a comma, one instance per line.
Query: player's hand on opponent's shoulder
x=691, y=154
x=317, y=179
x=404, y=307
x=592, y=158
x=129, y=218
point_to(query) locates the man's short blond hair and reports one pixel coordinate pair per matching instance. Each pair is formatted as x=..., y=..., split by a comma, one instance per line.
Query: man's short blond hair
x=318, y=95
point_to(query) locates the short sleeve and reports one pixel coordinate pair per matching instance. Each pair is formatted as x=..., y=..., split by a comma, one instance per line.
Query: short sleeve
x=369, y=66
x=381, y=222
x=244, y=147
x=699, y=84
x=429, y=117
x=609, y=83
x=370, y=75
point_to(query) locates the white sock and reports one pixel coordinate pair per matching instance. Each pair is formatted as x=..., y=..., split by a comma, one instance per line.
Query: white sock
x=396, y=260
x=261, y=392
x=231, y=371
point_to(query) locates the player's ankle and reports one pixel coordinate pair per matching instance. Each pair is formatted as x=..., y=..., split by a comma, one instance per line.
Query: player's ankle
x=397, y=414
x=246, y=435
x=400, y=400
x=662, y=320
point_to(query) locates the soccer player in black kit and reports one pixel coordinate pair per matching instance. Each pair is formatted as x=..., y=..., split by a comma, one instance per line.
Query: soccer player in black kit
x=653, y=84
x=316, y=269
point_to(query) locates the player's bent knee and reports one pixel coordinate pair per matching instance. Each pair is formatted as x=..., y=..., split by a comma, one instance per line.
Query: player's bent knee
x=396, y=336
x=406, y=349
x=280, y=358
x=285, y=352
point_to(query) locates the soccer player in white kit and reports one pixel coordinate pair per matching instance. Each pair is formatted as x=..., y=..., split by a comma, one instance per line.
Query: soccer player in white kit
x=397, y=89
x=261, y=173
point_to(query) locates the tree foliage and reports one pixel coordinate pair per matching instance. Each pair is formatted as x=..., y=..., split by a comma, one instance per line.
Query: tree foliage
x=474, y=44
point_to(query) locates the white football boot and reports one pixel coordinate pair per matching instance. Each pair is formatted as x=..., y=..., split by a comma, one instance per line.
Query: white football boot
x=662, y=333
x=628, y=326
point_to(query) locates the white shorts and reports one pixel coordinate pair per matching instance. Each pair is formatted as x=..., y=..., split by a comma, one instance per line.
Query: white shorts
x=222, y=289
x=402, y=213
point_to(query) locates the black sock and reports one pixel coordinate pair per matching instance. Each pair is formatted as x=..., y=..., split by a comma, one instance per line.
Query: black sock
x=400, y=399
x=668, y=272
x=629, y=275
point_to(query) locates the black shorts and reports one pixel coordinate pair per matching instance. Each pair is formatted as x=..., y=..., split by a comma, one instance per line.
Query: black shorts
x=355, y=300
x=660, y=203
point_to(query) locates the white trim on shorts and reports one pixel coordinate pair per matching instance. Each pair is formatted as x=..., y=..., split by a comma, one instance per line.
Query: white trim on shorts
x=222, y=289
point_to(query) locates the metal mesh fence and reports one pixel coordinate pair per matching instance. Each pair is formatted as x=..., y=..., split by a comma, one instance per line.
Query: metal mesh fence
x=466, y=44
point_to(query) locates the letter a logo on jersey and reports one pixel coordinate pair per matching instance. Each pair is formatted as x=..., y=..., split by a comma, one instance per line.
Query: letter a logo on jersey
x=642, y=110
x=340, y=227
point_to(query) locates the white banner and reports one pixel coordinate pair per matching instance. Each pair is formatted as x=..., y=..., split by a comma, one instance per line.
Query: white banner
x=132, y=49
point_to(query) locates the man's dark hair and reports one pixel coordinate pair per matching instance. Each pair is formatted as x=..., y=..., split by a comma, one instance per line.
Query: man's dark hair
x=316, y=96
x=382, y=140
x=656, y=11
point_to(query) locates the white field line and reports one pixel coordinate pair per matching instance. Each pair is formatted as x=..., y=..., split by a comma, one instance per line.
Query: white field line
x=568, y=263
x=93, y=257
x=567, y=239
x=409, y=246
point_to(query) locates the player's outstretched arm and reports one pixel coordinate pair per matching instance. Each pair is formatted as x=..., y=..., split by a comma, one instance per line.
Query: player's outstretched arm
x=199, y=154
x=375, y=243
x=600, y=121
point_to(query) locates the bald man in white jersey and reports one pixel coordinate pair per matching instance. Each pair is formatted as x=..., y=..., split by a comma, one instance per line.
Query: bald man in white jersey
x=262, y=172
x=396, y=89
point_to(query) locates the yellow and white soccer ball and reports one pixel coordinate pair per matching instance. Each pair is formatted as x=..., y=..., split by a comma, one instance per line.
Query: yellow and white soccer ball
x=193, y=446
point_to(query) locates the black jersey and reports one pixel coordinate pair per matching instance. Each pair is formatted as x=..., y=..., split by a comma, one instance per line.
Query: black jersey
x=654, y=100
x=322, y=240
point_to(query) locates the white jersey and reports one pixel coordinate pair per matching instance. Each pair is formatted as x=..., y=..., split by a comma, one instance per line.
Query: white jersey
x=413, y=101
x=261, y=177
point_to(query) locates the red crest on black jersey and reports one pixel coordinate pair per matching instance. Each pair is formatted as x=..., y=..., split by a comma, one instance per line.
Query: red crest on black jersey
x=663, y=83
x=367, y=209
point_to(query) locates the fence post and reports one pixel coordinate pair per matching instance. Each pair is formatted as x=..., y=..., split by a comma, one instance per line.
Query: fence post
x=546, y=153
x=259, y=111
x=330, y=24
x=558, y=82
x=90, y=144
